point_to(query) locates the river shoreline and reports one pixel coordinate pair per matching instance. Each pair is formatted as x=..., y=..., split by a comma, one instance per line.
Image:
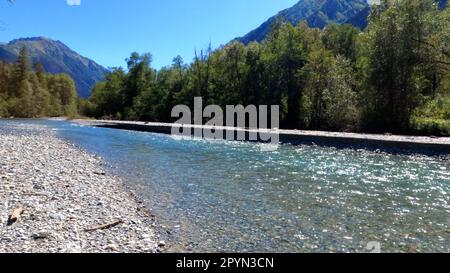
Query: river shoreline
x=64, y=192
x=402, y=144
x=210, y=196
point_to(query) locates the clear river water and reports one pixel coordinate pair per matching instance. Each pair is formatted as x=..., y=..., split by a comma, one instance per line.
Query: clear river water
x=231, y=196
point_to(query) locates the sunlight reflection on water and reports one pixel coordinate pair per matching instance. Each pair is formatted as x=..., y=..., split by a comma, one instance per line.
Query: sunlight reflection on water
x=230, y=196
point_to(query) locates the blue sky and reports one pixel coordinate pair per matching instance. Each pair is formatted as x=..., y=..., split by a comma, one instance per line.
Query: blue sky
x=107, y=31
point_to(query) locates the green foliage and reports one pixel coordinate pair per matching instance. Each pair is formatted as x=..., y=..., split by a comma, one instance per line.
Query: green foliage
x=140, y=77
x=437, y=127
x=391, y=78
x=438, y=108
x=433, y=117
x=62, y=89
x=403, y=64
x=28, y=93
x=340, y=97
x=3, y=106
x=316, y=73
x=342, y=40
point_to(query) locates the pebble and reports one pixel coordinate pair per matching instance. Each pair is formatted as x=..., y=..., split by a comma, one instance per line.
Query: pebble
x=57, y=216
x=64, y=190
x=112, y=247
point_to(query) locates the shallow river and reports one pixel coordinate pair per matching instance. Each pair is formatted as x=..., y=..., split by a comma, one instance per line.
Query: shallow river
x=229, y=196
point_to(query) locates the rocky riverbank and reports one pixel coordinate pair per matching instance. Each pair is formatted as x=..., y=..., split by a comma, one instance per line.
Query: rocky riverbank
x=65, y=192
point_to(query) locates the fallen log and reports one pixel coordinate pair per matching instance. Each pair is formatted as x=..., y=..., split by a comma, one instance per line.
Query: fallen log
x=14, y=216
x=105, y=226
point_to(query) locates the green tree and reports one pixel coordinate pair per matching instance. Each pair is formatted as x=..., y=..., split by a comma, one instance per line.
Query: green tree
x=338, y=78
x=342, y=40
x=285, y=53
x=108, y=97
x=63, y=99
x=398, y=64
x=227, y=73
x=140, y=77
x=28, y=93
x=21, y=72
x=316, y=73
x=340, y=97
x=21, y=103
x=3, y=105
x=40, y=97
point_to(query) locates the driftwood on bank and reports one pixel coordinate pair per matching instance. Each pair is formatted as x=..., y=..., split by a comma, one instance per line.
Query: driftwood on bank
x=105, y=226
x=15, y=215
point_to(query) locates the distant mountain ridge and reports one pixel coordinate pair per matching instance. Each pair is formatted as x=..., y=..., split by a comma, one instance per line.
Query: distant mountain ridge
x=56, y=57
x=442, y=3
x=320, y=13
x=317, y=13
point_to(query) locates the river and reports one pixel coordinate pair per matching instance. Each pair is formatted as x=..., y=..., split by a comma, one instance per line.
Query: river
x=219, y=196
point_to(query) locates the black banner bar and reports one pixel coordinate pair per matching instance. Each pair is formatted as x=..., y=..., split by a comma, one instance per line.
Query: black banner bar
x=225, y=262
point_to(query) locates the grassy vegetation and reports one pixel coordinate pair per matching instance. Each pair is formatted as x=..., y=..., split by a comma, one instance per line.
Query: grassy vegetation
x=433, y=118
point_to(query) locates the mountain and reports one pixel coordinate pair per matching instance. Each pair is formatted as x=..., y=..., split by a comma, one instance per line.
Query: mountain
x=442, y=3
x=56, y=57
x=361, y=19
x=317, y=13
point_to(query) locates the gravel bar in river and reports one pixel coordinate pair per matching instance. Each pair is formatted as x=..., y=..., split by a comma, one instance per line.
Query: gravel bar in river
x=64, y=191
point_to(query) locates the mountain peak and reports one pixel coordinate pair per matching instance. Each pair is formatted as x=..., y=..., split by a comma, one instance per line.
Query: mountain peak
x=56, y=57
x=40, y=41
x=26, y=39
x=317, y=13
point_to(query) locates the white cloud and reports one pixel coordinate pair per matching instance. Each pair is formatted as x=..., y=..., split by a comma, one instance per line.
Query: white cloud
x=73, y=2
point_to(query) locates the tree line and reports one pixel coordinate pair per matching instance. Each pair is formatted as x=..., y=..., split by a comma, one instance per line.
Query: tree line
x=392, y=77
x=27, y=91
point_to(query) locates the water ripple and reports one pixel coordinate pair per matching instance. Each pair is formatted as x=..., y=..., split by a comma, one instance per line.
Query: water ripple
x=231, y=196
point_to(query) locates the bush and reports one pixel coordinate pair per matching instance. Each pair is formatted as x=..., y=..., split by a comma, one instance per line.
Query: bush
x=433, y=117
x=430, y=126
x=438, y=108
x=3, y=107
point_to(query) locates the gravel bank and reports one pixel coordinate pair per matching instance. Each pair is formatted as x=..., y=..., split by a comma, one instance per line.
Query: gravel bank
x=439, y=146
x=64, y=191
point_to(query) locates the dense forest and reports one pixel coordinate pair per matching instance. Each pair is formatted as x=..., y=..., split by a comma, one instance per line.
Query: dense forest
x=27, y=91
x=393, y=77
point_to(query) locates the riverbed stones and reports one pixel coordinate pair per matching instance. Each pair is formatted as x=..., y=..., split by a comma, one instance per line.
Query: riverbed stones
x=64, y=190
